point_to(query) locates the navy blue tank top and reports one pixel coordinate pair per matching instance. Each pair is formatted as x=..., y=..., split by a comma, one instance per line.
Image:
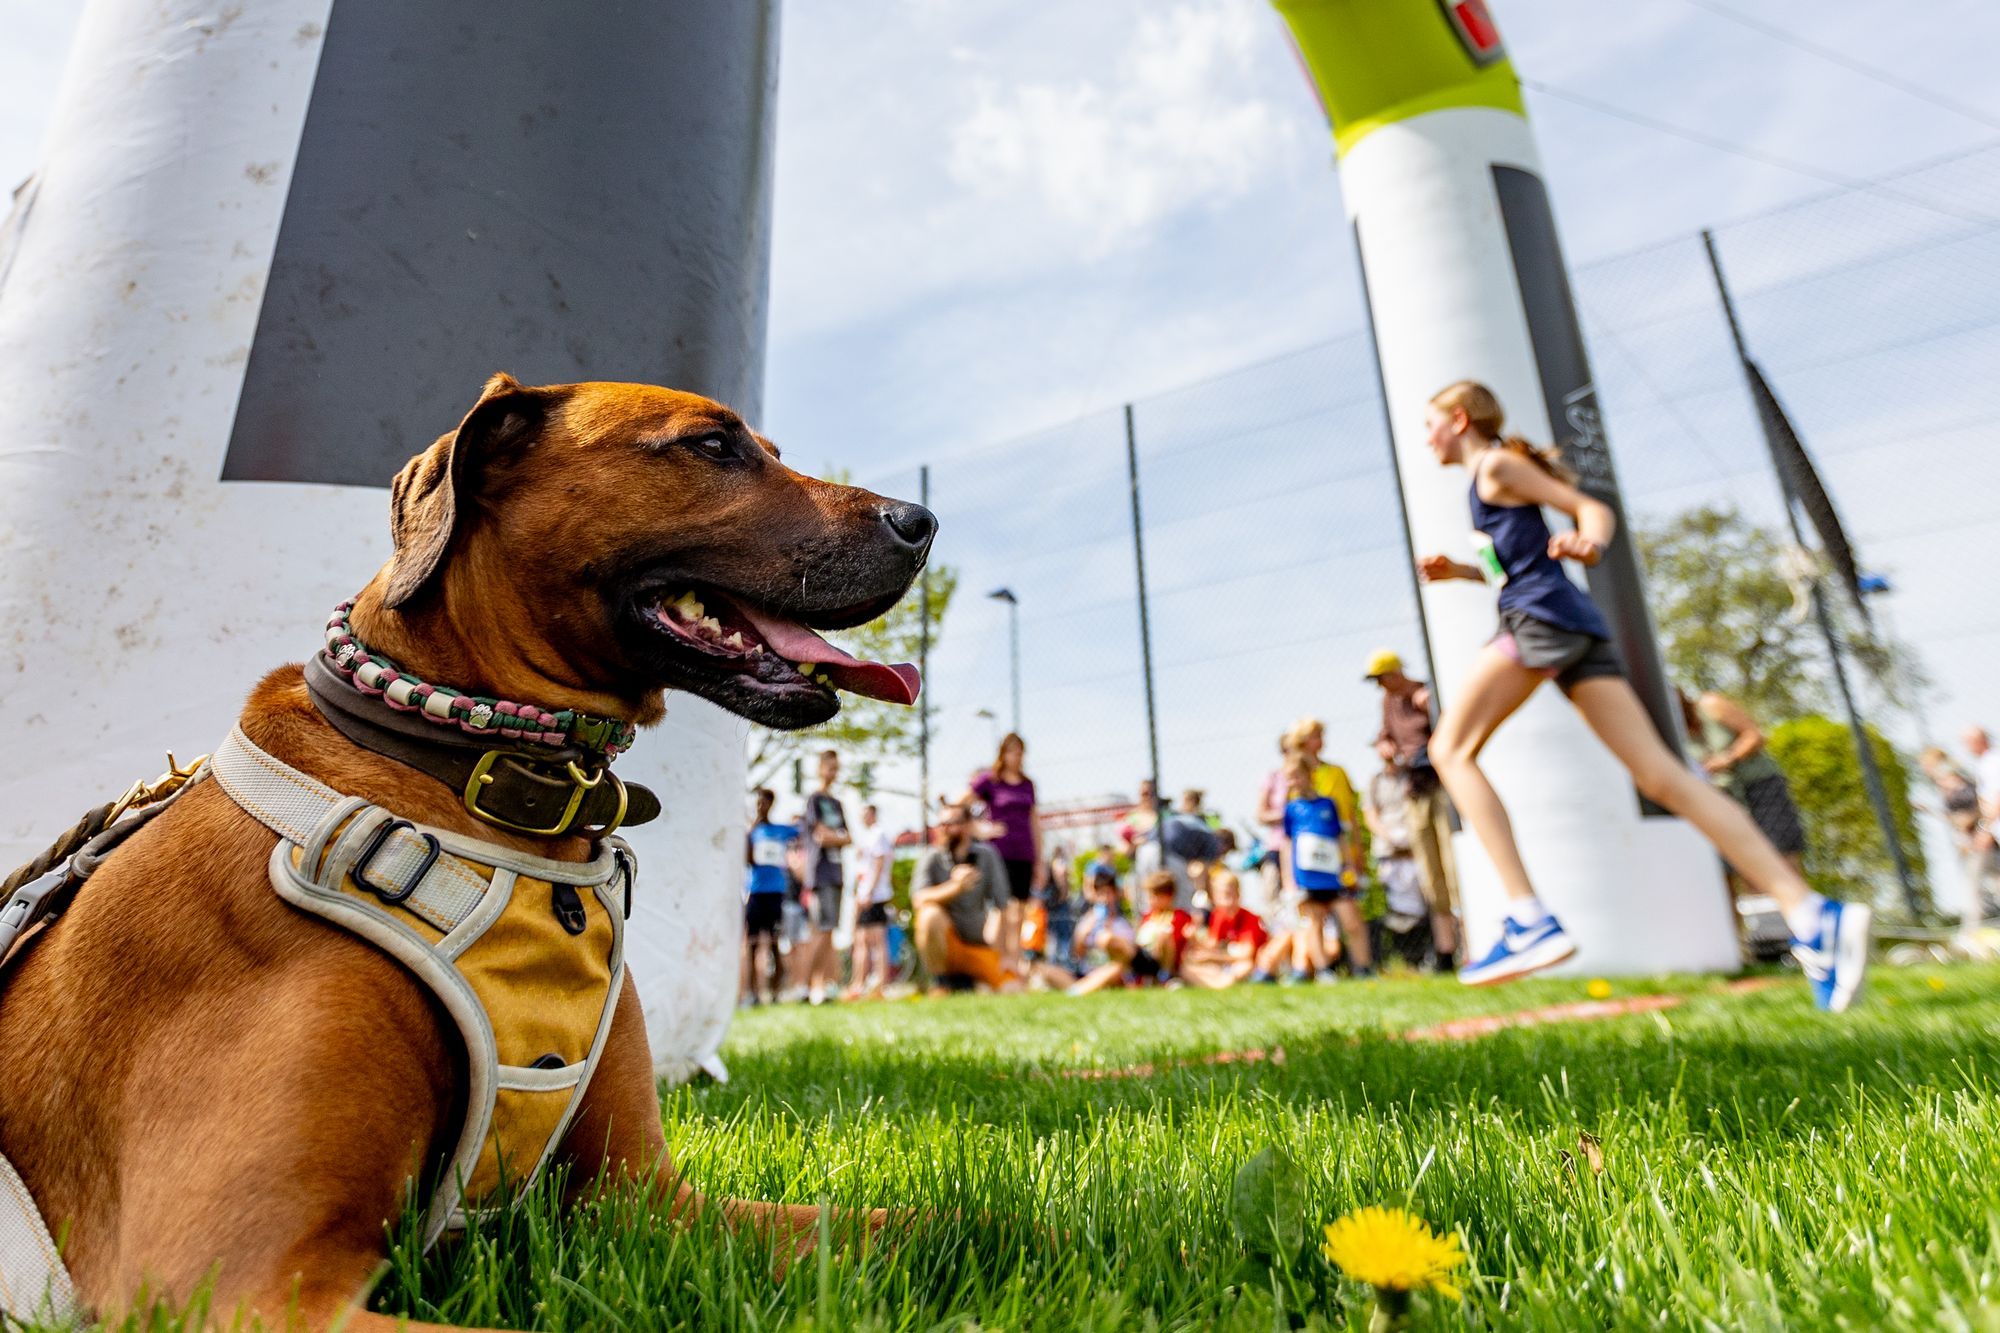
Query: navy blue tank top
x=1536, y=585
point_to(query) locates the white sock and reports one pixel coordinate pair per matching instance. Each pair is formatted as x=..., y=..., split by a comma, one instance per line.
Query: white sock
x=1526, y=911
x=1803, y=918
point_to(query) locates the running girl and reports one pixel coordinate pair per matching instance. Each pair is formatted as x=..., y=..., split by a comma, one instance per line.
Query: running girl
x=1550, y=630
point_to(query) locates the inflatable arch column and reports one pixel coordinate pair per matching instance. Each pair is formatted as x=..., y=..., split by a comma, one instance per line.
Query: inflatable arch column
x=1465, y=280
x=273, y=251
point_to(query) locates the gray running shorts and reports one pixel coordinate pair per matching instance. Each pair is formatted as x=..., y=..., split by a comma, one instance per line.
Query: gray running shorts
x=1562, y=655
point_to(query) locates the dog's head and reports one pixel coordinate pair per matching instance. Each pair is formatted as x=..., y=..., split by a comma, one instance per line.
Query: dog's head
x=628, y=539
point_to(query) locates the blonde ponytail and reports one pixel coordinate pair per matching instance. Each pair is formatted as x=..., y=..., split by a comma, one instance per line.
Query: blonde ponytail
x=1482, y=412
x=1547, y=459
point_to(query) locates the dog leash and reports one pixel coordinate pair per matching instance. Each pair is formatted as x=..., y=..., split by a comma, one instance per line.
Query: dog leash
x=35, y=1285
x=40, y=891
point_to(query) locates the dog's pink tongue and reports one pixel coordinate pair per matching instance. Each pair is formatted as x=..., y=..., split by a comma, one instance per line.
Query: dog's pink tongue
x=898, y=684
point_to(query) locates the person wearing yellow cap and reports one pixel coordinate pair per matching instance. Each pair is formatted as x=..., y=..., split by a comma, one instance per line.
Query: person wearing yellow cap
x=1406, y=725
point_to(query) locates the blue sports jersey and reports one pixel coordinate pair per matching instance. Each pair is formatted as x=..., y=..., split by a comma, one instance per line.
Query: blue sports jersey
x=1313, y=825
x=769, y=845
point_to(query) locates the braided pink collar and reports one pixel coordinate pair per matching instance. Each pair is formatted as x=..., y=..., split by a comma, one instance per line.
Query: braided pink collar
x=371, y=673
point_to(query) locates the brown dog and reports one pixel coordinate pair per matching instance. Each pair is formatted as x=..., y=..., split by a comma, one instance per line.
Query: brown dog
x=201, y=1081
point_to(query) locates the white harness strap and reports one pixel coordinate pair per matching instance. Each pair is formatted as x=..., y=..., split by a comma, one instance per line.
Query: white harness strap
x=298, y=808
x=34, y=1285
x=327, y=839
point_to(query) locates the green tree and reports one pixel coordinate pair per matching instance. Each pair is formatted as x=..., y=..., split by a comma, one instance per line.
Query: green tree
x=1728, y=618
x=865, y=730
x=1845, y=855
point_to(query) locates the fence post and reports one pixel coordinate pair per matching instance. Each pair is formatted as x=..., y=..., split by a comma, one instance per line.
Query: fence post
x=1145, y=625
x=1871, y=775
x=924, y=675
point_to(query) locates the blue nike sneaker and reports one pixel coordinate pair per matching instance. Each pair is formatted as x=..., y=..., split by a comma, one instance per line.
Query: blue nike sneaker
x=1519, y=951
x=1835, y=960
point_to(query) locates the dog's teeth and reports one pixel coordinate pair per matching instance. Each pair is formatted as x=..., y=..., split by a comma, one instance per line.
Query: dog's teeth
x=710, y=625
x=806, y=670
x=735, y=641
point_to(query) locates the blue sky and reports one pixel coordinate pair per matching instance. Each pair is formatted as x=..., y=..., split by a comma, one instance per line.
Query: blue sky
x=995, y=219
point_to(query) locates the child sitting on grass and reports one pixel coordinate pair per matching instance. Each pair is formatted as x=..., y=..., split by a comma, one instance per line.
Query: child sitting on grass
x=1154, y=951
x=1164, y=931
x=1235, y=941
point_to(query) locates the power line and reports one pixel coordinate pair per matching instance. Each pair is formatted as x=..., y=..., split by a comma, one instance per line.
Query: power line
x=1317, y=411
x=1842, y=184
x=1889, y=256
x=1917, y=168
x=1062, y=426
x=1318, y=636
x=1645, y=380
x=1752, y=154
x=1293, y=488
x=1847, y=62
x=1957, y=330
x=1290, y=563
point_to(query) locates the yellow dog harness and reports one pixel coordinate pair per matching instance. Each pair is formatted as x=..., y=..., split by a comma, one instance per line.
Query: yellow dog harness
x=526, y=955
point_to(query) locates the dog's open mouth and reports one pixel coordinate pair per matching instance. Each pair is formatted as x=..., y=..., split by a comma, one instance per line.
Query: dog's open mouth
x=775, y=653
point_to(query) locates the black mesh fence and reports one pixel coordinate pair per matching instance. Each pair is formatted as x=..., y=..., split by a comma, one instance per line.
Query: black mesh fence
x=1275, y=559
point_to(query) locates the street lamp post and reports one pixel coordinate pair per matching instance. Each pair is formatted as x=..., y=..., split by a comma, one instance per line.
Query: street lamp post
x=1013, y=648
x=990, y=718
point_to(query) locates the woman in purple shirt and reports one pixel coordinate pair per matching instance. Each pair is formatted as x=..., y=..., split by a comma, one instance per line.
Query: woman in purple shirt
x=1009, y=797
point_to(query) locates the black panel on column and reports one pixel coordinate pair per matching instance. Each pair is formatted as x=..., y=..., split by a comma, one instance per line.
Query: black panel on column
x=561, y=191
x=1571, y=400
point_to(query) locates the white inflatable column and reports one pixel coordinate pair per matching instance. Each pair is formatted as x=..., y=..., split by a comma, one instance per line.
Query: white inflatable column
x=141, y=593
x=1465, y=281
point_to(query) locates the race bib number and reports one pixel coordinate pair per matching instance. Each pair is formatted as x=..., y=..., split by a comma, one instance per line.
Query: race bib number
x=768, y=852
x=1317, y=852
x=1489, y=560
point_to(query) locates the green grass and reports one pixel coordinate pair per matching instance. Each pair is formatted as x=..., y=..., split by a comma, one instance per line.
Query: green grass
x=1763, y=1166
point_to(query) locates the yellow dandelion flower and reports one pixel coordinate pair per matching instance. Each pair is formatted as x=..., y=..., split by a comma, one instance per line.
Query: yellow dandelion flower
x=1935, y=983
x=1599, y=989
x=1393, y=1250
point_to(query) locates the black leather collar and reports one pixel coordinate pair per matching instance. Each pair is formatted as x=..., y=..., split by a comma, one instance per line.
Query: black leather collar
x=541, y=790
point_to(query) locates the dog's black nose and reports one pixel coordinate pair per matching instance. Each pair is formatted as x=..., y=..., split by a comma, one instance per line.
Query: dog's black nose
x=913, y=525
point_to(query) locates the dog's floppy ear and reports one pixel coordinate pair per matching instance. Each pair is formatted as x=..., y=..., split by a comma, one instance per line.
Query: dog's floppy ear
x=435, y=487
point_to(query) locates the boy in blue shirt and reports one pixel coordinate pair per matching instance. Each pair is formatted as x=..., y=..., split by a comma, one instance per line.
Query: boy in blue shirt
x=767, y=851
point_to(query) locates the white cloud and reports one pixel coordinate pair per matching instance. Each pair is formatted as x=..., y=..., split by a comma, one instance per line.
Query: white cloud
x=1181, y=123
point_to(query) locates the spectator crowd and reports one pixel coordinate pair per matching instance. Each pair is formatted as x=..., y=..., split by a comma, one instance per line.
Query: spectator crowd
x=1172, y=899
x=1334, y=880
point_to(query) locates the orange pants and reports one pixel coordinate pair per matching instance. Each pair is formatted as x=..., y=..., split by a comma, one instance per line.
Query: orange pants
x=977, y=961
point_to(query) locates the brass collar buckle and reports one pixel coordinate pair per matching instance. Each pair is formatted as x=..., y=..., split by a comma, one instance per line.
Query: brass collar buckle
x=581, y=785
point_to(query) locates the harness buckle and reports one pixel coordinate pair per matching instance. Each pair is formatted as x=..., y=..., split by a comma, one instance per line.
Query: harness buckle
x=482, y=777
x=627, y=863
x=29, y=904
x=359, y=870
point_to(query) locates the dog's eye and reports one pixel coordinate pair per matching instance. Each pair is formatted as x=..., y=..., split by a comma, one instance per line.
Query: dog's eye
x=714, y=446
